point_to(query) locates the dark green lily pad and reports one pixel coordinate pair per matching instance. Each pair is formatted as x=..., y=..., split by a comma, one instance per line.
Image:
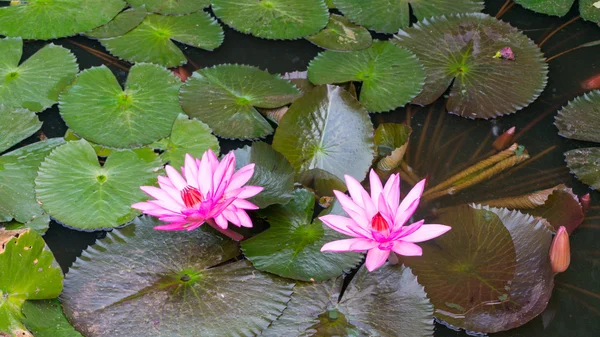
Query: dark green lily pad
x=170, y=7
x=225, y=97
x=391, y=76
x=271, y=171
x=327, y=129
x=481, y=86
x=35, y=83
x=585, y=164
x=16, y=124
x=46, y=319
x=152, y=40
x=587, y=8
x=385, y=16
x=391, y=140
x=96, y=107
x=273, y=19
x=142, y=282
x=80, y=193
x=121, y=24
x=580, y=118
x=29, y=272
x=341, y=34
x=51, y=19
x=291, y=247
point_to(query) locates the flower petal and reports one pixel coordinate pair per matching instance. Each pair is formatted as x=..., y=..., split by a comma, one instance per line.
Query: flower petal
x=244, y=204
x=230, y=214
x=346, y=245
x=407, y=230
x=175, y=177
x=249, y=191
x=426, y=232
x=205, y=176
x=170, y=227
x=191, y=171
x=376, y=258
x=391, y=191
x=221, y=221
x=402, y=216
x=354, y=211
x=407, y=249
x=245, y=220
x=375, y=183
x=342, y=224
x=412, y=196
x=355, y=190
x=241, y=177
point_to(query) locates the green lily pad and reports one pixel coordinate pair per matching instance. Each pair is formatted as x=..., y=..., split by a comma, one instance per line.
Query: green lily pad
x=188, y=136
x=391, y=140
x=585, y=164
x=16, y=124
x=121, y=24
x=35, y=83
x=51, y=19
x=142, y=282
x=169, y=7
x=273, y=19
x=341, y=34
x=29, y=272
x=271, y=171
x=225, y=97
x=46, y=319
x=80, y=193
x=587, y=9
x=96, y=107
x=386, y=16
x=291, y=247
x=391, y=76
x=580, y=118
x=18, y=170
x=463, y=58
x=327, y=129
x=101, y=151
x=152, y=40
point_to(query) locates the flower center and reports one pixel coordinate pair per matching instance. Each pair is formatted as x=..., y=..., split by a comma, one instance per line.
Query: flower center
x=191, y=196
x=380, y=225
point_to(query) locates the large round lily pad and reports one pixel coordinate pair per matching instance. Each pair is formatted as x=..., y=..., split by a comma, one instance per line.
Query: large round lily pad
x=387, y=16
x=459, y=50
x=152, y=40
x=391, y=75
x=580, y=118
x=51, y=19
x=588, y=9
x=142, y=282
x=291, y=247
x=585, y=164
x=46, y=319
x=341, y=34
x=16, y=124
x=273, y=19
x=171, y=6
x=36, y=83
x=225, y=97
x=121, y=24
x=75, y=189
x=96, y=107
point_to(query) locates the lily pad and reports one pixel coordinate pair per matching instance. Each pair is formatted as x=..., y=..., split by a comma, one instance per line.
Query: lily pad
x=170, y=7
x=585, y=164
x=35, y=83
x=391, y=140
x=580, y=118
x=291, y=247
x=51, y=19
x=273, y=19
x=225, y=97
x=561, y=7
x=386, y=16
x=271, y=171
x=188, y=136
x=391, y=76
x=121, y=24
x=152, y=40
x=16, y=124
x=142, y=282
x=463, y=58
x=96, y=107
x=80, y=193
x=327, y=129
x=341, y=34
x=46, y=319
x=29, y=272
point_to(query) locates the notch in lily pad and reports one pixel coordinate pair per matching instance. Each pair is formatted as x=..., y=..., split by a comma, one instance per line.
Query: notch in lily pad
x=170, y=7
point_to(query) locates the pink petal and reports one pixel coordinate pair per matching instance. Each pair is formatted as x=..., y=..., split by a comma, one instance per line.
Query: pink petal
x=407, y=249
x=376, y=258
x=391, y=191
x=407, y=230
x=170, y=227
x=403, y=216
x=231, y=216
x=172, y=191
x=241, y=177
x=356, y=190
x=222, y=175
x=162, y=180
x=376, y=186
x=370, y=208
x=426, y=232
x=385, y=211
x=161, y=195
x=191, y=171
x=205, y=176
x=212, y=159
x=249, y=191
x=346, y=245
x=194, y=225
x=245, y=220
x=342, y=224
x=221, y=221
x=412, y=196
x=244, y=204
x=354, y=211
x=175, y=178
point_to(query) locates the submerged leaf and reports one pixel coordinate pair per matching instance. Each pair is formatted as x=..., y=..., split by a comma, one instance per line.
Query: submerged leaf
x=16, y=124
x=580, y=118
x=341, y=34
x=171, y=7
x=585, y=164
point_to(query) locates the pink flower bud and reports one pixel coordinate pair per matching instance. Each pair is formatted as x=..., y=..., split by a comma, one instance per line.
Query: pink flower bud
x=560, y=251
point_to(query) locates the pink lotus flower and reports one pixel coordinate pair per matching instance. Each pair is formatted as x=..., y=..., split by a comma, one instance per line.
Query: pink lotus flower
x=377, y=221
x=209, y=191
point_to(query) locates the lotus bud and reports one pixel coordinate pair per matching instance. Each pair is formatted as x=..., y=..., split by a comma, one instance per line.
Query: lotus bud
x=560, y=251
x=504, y=140
x=585, y=203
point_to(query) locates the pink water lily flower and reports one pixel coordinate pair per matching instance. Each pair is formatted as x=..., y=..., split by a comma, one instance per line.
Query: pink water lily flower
x=377, y=220
x=208, y=191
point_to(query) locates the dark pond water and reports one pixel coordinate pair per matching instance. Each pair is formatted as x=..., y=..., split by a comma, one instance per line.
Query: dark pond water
x=575, y=306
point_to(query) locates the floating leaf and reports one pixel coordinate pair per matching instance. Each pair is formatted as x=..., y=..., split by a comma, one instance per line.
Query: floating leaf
x=386, y=16
x=80, y=193
x=46, y=319
x=51, y=19
x=35, y=83
x=342, y=34
x=580, y=118
x=271, y=171
x=291, y=247
x=561, y=7
x=273, y=19
x=327, y=129
x=121, y=24
x=101, y=151
x=16, y=124
x=171, y=6
x=391, y=76
x=152, y=40
x=29, y=272
x=225, y=97
x=142, y=282
x=391, y=140
x=96, y=107
x=457, y=51
x=585, y=164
